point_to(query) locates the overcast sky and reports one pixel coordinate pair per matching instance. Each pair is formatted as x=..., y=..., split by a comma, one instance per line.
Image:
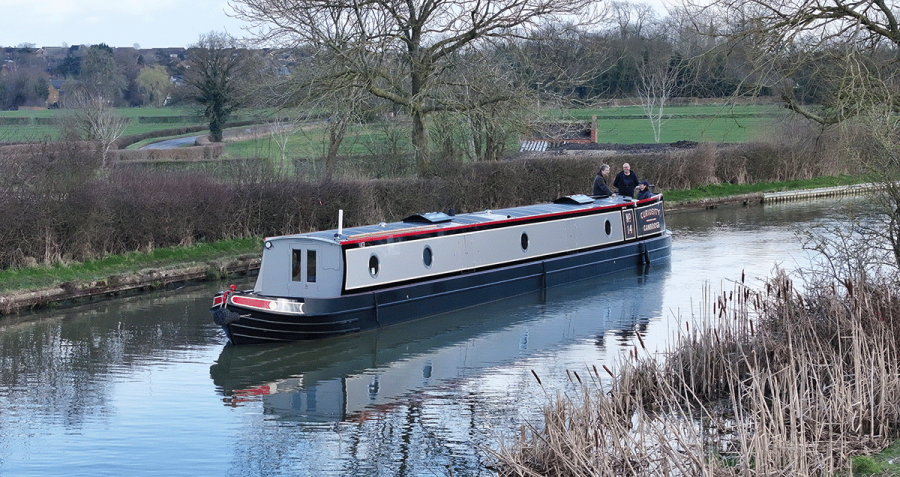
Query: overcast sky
x=118, y=23
x=122, y=23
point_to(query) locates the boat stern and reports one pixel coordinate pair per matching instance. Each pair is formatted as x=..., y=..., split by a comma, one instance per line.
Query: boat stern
x=247, y=317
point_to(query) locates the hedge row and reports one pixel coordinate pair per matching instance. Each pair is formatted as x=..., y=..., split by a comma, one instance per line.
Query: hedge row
x=57, y=204
x=14, y=121
x=182, y=154
x=169, y=119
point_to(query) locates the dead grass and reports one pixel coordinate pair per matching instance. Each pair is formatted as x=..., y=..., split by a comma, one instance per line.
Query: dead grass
x=775, y=382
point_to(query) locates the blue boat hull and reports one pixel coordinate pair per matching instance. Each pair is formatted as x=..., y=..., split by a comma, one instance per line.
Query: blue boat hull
x=383, y=307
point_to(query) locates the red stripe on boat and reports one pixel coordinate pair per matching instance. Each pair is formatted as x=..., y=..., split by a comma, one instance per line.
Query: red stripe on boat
x=253, y=302
x=387, y=235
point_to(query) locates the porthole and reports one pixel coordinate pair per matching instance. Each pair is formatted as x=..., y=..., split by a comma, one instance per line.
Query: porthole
x=427, y=256
x=373, y=266
x=524, y=241
x=608, y=228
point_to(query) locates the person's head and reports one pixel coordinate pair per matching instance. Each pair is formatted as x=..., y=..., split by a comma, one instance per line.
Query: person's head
x=626, y=168
x=604, y=170
x=643, y=185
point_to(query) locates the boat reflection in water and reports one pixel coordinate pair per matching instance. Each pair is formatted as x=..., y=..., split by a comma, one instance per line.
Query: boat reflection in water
x=344, y=378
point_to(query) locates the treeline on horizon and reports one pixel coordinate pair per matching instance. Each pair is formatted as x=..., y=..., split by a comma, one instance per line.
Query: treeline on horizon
x=150, y=77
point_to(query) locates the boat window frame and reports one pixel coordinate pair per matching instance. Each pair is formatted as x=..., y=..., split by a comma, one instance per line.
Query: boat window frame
x=376, y=269
x=296, y=264
x=311, y=264
x=428, y=256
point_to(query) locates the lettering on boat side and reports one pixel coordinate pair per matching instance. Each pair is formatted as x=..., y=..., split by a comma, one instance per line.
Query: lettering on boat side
x=650, y=213
x=649, y=220
x=646, y=228
x=630, y=231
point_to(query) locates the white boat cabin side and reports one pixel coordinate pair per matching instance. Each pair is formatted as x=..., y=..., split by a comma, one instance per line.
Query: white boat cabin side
x=300, y=266
x=315, y=265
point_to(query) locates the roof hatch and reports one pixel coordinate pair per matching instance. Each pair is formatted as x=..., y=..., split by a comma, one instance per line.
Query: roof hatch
x=428, y=218
x=577, y=199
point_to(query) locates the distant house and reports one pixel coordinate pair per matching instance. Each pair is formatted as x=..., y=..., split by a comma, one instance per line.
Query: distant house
x=55, y=96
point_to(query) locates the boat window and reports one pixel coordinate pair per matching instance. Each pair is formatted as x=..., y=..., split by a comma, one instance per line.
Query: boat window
x=524, y=241
x=311, y=265
x=427, y=256
x=373, y=266
x=608, y=228
x=296, y=256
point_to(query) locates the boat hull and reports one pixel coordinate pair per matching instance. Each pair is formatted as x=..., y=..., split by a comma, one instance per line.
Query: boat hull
x=383, y=307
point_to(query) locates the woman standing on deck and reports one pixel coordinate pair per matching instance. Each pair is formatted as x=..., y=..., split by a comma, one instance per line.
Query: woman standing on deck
x=626, y=181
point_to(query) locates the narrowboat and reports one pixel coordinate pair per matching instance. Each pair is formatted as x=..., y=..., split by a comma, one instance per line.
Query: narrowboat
x=346, y=378
x=327, y=283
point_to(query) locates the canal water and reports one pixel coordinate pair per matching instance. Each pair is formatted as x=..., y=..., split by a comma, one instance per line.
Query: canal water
x=147, y=385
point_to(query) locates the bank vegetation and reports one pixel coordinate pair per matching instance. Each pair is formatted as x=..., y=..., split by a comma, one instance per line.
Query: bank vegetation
x=782, y=380
x=60, y=204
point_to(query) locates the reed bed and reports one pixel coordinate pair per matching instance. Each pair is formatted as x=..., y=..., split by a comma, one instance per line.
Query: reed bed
x=772, y=382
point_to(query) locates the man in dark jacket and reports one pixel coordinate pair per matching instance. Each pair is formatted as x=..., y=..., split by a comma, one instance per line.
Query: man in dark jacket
x=626, y=181
x=600, y=187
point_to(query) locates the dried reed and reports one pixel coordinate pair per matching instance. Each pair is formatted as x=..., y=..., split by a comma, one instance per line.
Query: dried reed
x=772, y=383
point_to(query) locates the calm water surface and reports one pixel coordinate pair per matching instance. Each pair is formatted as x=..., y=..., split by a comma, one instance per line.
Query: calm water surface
x=147, y=386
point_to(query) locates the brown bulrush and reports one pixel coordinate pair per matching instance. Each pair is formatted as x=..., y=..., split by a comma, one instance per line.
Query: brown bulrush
x=773, y=382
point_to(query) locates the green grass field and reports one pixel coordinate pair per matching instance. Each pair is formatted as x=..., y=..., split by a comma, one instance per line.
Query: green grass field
x=704, y=123
x=312, y=138
x=42, y=125
x=624, y=125
x=621, y=125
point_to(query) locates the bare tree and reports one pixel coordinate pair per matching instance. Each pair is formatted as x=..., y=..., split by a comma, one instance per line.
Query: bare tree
x=657, y=77
x=281, y=130
x=811, y=51
x=479, y=129
x=403, y=53
x=319, y=87
x=647, y=39
x=632, y=18
x=91, y=117
x=834, y=63
x=100, y=75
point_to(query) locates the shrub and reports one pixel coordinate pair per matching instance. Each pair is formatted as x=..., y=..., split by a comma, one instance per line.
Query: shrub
x=57, y=204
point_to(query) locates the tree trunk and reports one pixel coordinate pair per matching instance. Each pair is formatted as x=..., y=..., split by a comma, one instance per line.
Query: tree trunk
x=215, y=130
x=420, y=143
x=336, y=132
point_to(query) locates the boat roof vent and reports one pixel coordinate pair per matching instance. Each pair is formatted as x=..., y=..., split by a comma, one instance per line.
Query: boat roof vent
x=577, y=199
x=428, y=218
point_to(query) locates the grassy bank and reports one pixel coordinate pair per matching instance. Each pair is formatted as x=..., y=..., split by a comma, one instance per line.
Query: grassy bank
x=92, y=271
x=40, y=277
x=730, y=190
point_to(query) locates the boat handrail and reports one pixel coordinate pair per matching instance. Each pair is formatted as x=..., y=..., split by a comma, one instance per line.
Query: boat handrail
x=391, y=232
